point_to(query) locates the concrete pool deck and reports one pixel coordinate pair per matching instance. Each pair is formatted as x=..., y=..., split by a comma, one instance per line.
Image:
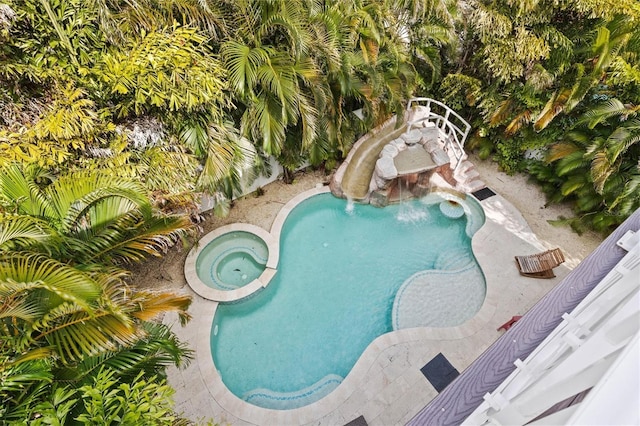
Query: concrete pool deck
x=386, y=386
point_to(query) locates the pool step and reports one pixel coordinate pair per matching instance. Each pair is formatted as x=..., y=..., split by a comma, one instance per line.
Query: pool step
x=473, y=186
x=468, y=179
x=439, y=298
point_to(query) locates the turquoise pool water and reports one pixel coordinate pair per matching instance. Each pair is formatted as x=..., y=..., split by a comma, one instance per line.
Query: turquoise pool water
x=339, y=271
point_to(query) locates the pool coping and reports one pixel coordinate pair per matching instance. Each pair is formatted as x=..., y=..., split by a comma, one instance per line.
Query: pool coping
x=352, y=382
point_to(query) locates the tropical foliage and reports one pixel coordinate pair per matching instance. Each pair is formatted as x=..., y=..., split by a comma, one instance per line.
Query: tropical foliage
x=91, y=217
x=534, y=76
x=67, y=315
x=116, y=115
x=285, y=74
x=106, y=401
x=597, y=165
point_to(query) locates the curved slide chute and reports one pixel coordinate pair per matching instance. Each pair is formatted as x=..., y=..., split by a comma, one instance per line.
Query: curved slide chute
x=361, y=161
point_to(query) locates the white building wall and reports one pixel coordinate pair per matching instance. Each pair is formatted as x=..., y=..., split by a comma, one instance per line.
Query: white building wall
x=594, y=349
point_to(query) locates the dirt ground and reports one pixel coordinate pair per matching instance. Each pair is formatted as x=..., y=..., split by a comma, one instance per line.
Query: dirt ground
x=527, y=197
x=167, y=272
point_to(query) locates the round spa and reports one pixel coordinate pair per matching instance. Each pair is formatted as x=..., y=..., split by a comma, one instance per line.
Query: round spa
x=230, y=262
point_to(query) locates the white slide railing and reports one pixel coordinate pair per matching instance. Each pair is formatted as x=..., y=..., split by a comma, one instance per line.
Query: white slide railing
x=454, y=128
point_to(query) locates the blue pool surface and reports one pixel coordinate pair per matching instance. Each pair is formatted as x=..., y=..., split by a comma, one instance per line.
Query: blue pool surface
x=339, y=271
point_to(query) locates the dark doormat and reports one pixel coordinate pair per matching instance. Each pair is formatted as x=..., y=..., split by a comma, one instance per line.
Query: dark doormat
x=358, y=421
x=483, y=194
x=439, y=372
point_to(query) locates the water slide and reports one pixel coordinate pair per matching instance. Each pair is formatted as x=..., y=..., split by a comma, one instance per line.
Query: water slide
x=357, y=169
x=353, y=177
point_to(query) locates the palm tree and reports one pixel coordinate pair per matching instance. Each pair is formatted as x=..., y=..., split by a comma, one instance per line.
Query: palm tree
x=63, y=308
x=529, y=69
x=376, y=69
x=152, y=67
x=72, y=313
x=85, y=218
x=71, y=228
x=270, y=82
x=609, y=41
x=56, y=318
x=598, y=164
x=290, y=60
x=23, y=384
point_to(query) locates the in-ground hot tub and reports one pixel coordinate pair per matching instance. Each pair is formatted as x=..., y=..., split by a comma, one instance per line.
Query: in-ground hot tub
x=232, y=262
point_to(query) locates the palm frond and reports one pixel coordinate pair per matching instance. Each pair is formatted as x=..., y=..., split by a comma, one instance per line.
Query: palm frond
x=150, y=305
x=19, y=189
x=430, y=56
x=264, y=120
x=194, y=135
x=287, y=16
x=242, y=63
x=579, y=91
x=560, y=150
x=574, y=184
x=75, y=334
x=623, y=137
x=367, y=25
x=518, y=121
x=555, y=105
x=18, y=232
x=279, y=79
x=571, y=162
x=610, y=108
x=18, y=307
x=22, y=385
x=326, y=28
x=502, y=112
x=628, y=201
x=62, y=282
x=35, y=354
x=130, y=238
x=601, y=169
x=158, y=349
x=222, y=156
x=73, y=195
x=309, y=118
x=15, y=377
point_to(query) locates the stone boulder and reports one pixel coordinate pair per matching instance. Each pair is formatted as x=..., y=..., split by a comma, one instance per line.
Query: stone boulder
x=385, y=168
x=412, y=137
x=430, y=131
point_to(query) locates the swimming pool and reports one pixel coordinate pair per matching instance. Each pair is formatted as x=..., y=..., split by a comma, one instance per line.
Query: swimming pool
x=339, y=273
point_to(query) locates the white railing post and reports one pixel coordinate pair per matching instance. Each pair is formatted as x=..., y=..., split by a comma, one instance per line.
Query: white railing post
x=455, y=136
x=582, y=353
